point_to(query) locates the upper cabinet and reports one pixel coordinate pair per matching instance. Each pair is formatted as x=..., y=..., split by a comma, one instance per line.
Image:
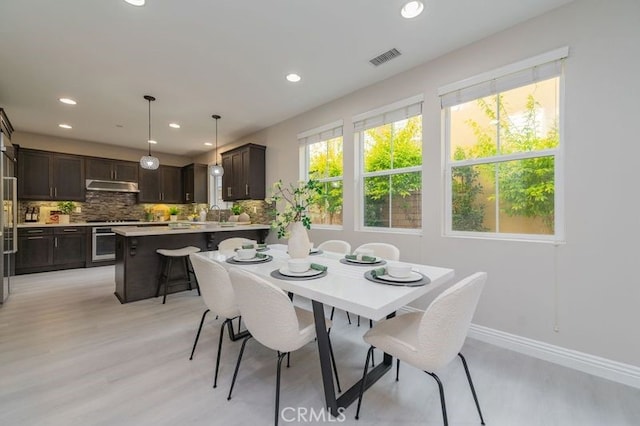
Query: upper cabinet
x=46, y=175
x=244, y=173
x=194, y=177
x=161, y=185
x=105, y=169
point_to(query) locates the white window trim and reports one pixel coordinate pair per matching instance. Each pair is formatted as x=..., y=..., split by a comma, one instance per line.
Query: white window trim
x=304, y=163
x=360, y=175
x=559, y=163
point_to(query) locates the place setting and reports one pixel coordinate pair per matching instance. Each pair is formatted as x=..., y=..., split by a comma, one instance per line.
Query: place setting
x=362, y=257
x=396, y=273
x=248, y=256
x=300, y=270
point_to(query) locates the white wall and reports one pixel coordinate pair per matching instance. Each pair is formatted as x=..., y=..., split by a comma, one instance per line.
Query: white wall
x=595, y=303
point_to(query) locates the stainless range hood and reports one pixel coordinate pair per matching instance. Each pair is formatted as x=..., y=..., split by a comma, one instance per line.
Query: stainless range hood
x=111, y=185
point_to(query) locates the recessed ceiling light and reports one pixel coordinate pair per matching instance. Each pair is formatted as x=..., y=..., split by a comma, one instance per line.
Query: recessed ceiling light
x=412, y=9
x=67, y=101
x=174, y=125
x=294, y=78
x=135, y=2
x=64, y=126
x=151, y=141
x=208, y=144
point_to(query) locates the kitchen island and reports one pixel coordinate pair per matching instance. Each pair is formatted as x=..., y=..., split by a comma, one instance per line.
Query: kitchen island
x=138, y=264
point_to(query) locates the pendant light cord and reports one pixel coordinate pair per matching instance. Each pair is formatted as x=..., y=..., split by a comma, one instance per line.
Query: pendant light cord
x=216, y=117
x=149, y=139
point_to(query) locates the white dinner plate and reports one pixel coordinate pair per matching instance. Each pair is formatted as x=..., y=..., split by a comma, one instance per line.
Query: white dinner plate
x=413, y=276
x=253, y=259
x=310, y=273
x=363, y=261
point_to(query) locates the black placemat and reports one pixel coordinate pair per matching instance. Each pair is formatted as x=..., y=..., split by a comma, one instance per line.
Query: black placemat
x=231, y=260
x=425, y=280
x=276, y=274
x=378, y=263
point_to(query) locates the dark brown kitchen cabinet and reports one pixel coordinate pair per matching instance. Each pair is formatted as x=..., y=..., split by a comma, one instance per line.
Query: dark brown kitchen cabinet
x=195, y=178
x=161, y=185
x=35, y=249
x=244, y=173
x=105, y=169
x=50, y=249
x=69, y=246
x=46, y=175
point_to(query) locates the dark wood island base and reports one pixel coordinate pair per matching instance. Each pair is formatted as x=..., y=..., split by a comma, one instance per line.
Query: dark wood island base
x=138, y=265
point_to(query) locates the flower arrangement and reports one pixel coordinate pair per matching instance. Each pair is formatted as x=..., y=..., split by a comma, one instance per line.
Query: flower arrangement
x=296, y=199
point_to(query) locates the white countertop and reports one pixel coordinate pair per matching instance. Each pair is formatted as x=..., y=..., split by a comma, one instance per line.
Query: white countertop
x=141, y=231
x=115, y=224
x=46, y=225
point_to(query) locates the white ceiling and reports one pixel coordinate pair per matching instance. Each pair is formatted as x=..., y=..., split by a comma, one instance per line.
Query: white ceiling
x=204, y=57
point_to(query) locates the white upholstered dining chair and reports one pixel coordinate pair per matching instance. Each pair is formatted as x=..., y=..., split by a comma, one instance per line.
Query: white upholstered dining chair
x=230, y=244
x=272, y=320
x=383, y=250
x=431, y=339
x=218, y=296
x=335, y=246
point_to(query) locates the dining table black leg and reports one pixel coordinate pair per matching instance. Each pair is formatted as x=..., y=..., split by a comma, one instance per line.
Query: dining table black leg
x=324, y=351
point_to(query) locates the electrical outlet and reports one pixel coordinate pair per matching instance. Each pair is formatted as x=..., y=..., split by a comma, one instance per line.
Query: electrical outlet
x=255, y=210
x=78, y=209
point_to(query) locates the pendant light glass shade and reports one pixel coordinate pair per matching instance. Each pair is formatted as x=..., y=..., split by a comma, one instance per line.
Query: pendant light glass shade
x=149, y=162
x=216, y=169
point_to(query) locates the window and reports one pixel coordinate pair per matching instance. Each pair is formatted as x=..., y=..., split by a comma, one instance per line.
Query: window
x=390, y=171
x=215, y=192
x=321, y=151
x=503, y=152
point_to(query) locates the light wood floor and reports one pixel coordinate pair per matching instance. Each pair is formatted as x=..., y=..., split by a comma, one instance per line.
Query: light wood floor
x=71, y=354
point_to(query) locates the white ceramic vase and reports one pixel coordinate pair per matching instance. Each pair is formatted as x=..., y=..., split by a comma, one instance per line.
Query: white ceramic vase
x=173, y=218
x=298, y=245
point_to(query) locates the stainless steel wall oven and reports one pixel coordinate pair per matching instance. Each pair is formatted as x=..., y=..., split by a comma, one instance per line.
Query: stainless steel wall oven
x=103, y=243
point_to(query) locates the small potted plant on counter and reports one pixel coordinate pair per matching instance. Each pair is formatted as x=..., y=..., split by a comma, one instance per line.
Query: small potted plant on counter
x=173, y=213
x=236, y=209
x=66, y=207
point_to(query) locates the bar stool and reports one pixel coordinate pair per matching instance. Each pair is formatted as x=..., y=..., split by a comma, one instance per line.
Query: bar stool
x=167, y=257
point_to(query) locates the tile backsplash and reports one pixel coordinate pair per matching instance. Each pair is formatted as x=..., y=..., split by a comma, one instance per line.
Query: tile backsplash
x=101, y=205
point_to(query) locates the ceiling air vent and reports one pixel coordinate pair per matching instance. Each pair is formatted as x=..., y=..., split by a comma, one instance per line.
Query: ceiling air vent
x=385, y=57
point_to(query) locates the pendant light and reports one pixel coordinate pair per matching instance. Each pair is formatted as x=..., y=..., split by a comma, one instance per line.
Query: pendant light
x=149, y=162
x=216, y=170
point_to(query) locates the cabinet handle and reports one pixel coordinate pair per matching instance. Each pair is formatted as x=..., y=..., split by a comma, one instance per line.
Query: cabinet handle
x=50, y=192
x=69, y=230
x=55, y=191
x=35, y=231
x=228, y=191
x=186, y=196
x=246, y=189
x=34, y=238
x=55, y=242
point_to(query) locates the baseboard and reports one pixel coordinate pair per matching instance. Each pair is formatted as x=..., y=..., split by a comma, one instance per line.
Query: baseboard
x=602, y=367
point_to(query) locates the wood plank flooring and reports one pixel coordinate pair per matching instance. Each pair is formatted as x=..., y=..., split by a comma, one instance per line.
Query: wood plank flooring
x=71, y=354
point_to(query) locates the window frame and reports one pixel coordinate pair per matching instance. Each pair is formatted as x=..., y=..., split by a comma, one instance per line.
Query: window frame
x=558, y=237
x=361, y=175
x=305, y=139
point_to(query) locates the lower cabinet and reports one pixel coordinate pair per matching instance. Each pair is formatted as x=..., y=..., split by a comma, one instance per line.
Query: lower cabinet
x=50, y=249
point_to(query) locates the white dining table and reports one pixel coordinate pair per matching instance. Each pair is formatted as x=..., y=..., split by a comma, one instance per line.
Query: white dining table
x=344, y=287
